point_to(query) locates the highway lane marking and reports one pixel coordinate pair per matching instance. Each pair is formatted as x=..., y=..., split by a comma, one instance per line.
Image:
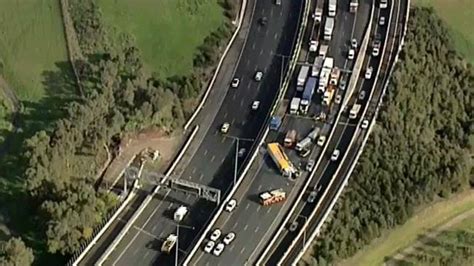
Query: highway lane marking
x=194, y=170
x=136, y=251
x=205, y=152
x=261, y=52
x=271, y=12
x=154, y=228
x=225, y=115
x=190, y=177
x=233, y=96
x=253, y=46
x=247, y=64
x=170, y=205
x=223, y=159
x=213, y=158
x=200, y=177
x=259, y=187
x=235, y=225
x=242, y=251
x=275, y=36
x=257, y=229
x=246, y=226
x=222, y=140
x=258, y=208
x=247, y=207
x=268, y=210
x=187, y=197
x=147, y=254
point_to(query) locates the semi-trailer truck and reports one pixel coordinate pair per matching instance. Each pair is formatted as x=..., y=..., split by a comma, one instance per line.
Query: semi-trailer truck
x=328, y=28
x=277, y=153
x=329, y=94
x=307, y=94
x=318, y=12
x=335, y=75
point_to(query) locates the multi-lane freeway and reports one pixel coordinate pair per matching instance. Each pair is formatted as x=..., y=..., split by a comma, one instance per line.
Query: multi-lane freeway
x=253, y=223
x=212, y=162
x=262, y=233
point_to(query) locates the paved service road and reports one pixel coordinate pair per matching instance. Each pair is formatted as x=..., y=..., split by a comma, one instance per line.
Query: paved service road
x=212, y=163
x=253, y=223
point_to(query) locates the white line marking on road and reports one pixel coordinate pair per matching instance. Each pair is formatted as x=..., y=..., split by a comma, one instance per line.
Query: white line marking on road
x=225, y=114
x=268, y=210
x=258, y=208
x=194, y=171
x=147, y=254
x=170, y=205
x=246, y=226
x=247, y=207
x=190, y=177
x=187, y=197
x=205, y=152
x=235, y=225
x=253, y=46
x=275, y=36
x=256, y=229
x=135, y=251
x=242, y=103
x=233, y=96
x=259, y=188
x=247, y=63
x=242, y=251
x=223, y=159
x=200, y=177
x=154, y=228
x=213, y=158
x=260, y=53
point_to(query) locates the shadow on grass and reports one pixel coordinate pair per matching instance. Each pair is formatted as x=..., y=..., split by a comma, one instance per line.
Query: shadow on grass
x=17, y=207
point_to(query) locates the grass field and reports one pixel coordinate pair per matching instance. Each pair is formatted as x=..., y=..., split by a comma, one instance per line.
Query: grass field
x=429, y=218
x=167, y=31
x=458, y=16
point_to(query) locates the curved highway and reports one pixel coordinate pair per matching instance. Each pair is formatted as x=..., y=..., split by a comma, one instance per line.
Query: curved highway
x=212, y=162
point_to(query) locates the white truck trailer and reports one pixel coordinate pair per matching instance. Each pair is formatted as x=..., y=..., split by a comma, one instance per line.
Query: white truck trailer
x=302, y=76
x=328, y=28
x=332, y=7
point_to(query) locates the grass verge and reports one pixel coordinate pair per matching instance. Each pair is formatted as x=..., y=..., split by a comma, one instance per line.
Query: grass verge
x=458, y=16
x=430, y=217
x=167, y=32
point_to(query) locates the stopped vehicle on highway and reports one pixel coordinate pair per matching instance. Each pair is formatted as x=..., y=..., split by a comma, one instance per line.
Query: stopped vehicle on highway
x=277, y=153
x=271, y=197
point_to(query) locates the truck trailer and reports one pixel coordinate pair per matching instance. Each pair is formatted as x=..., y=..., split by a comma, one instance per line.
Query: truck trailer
x=307, y=94
x=302, y=75
x=295, y=105
x=277, y=153
x=318, y=64
x=328, y=28
x=332, y=7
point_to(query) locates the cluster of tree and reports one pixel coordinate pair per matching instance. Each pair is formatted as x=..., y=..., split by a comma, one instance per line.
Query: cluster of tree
x=420, y=148
x=119, y=95
x=15, y=252
x=448, y=248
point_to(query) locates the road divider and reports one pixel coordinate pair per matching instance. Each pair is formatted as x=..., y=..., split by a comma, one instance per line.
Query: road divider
x=262, y=137
x=219, y=65
x=147, y=200
x=351, y=85
x=364, y=141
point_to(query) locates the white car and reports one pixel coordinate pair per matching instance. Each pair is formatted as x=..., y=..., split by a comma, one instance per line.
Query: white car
x=338, y=99
x=342, y=84
x=335, y=155
x=310, y=165
x=375, y=51
x=215, y=235
x=351, y=54
x=231, y=205
x=321, y=141
x=354, y=43
x=218, y=250
x=225, y=128
x=368, y=72
x=209, y=246
x=229, y=238
x=258, y=76
x=382, y=21
x=255, y=105
x=365, y=124
x=235, y=83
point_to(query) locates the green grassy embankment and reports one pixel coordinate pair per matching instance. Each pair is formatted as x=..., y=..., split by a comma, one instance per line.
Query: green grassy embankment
x=167, y=32
x=426, y=220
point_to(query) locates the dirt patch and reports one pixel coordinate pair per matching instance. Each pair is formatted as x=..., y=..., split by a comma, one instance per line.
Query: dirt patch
x=167, y=145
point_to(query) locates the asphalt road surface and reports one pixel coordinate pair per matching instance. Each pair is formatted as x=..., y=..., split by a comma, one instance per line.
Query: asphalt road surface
x=212, y=164
x=327, y=175
x=252, y=222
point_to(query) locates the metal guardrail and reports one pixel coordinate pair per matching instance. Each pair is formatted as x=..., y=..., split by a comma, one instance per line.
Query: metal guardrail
x=372, y=123
x=276, y=103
